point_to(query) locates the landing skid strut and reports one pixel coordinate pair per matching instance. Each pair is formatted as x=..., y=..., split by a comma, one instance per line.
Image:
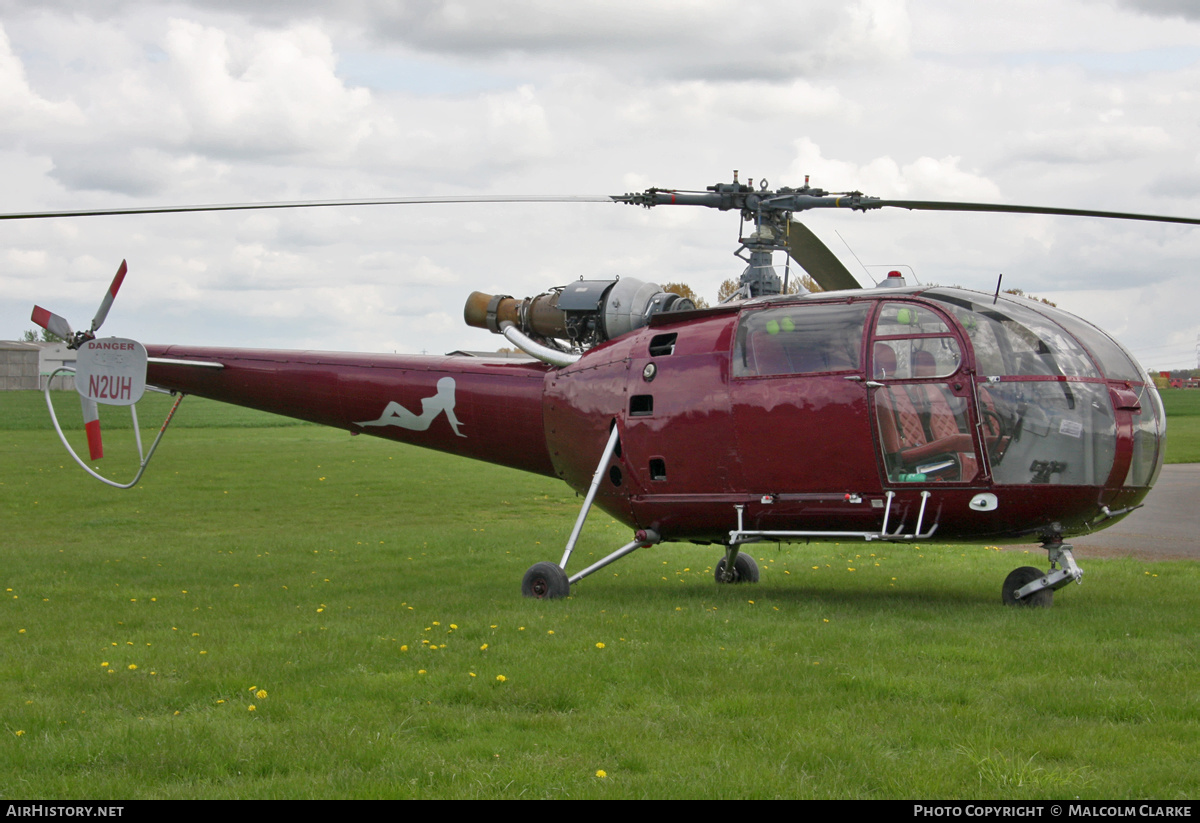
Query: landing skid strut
x=548, y=581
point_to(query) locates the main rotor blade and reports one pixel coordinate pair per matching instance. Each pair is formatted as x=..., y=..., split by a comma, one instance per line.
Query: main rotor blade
x=312, y=204
x=816, y=259
x=51, y=322
x=107, y=302
x=947, y=205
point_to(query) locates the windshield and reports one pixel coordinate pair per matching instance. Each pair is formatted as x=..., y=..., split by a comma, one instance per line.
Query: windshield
x=1044, y=402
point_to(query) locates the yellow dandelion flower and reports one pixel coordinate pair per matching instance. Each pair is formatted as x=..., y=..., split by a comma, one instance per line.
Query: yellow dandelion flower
x=404, y=648
x=600, y=773
x=550, y=632
x=599, y=645
x=483, y=648
x=104, y=664
x=251, y=708
x=420, y=671
x=132, y=666
x=500, y=678
x=20, y=631
x=471, y=673
x=454, y=625
x=261, y=694
x=19, y=732
x=219, y=702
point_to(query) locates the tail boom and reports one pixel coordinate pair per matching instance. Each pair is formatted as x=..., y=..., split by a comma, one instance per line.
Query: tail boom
x=486, y=409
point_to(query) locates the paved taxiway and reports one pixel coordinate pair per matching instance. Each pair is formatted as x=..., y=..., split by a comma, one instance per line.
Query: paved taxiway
x=1166, y=528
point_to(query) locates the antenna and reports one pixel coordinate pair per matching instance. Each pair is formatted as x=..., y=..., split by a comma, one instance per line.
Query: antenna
x=847, y=245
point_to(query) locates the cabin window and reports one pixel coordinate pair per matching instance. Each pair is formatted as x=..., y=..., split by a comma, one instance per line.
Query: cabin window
x=924, y=432
x=800, y=339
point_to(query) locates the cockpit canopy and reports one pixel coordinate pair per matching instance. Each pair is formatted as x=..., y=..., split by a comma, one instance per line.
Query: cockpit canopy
x=1041, y=386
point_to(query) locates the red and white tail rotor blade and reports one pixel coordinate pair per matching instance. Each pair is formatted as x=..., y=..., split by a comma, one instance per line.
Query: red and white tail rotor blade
x=91, y=425
x=107, y=302
x=53, y=323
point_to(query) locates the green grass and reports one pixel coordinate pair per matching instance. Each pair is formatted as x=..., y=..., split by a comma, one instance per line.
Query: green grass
x=1183, y=425
x=321, y=568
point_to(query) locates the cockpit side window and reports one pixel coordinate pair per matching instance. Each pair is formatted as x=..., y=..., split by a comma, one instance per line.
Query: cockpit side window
x=923, y=425
x=800, y=339
x=913, y=343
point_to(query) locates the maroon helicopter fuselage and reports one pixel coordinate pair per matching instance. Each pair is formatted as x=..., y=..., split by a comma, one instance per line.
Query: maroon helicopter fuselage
x=816, y=413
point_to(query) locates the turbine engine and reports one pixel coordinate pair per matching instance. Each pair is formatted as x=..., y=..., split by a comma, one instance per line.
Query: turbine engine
x=580, y=314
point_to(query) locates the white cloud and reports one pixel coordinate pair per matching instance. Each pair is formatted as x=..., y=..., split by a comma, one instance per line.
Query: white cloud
x=1095, y=143
x=922, y=178
x=1077, y=103
x=22, y=110
x=276, y=93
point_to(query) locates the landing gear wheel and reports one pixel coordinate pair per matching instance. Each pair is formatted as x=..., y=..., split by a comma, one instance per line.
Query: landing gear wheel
x=1022, y=577
x=545, y=581
x=745, y=570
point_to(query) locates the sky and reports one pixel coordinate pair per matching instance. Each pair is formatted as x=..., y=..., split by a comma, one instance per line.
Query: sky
x=115, y=103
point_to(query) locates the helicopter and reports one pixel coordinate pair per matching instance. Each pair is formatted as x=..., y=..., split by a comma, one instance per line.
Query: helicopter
x=898, y=413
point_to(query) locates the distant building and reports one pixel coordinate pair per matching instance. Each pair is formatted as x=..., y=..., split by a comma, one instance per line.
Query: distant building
x=27, y=366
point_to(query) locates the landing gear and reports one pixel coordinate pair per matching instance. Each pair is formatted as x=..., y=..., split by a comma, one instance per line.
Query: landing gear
x=545, y=581
x=1028, y=586
x=549, y=581
x=1019, y=578
x=745, y=570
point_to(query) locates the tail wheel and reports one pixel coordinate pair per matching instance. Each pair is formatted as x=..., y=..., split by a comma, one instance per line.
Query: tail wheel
x=745, y=570
x=545, y=581
x=1023, y=576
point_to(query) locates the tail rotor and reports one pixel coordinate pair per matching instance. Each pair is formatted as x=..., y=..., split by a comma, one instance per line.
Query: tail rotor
x=104, y=373
x=57, y=324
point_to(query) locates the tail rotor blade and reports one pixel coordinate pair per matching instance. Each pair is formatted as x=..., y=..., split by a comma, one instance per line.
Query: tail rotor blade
x=91, y=425
x=53, y=323
x=107, y=302
x=815, y=258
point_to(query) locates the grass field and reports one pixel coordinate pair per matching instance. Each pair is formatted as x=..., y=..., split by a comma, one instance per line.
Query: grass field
x=1183, y=425
x=280, y=610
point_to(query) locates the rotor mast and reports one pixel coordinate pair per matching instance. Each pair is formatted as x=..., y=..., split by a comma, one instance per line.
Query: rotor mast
x=770, y=213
